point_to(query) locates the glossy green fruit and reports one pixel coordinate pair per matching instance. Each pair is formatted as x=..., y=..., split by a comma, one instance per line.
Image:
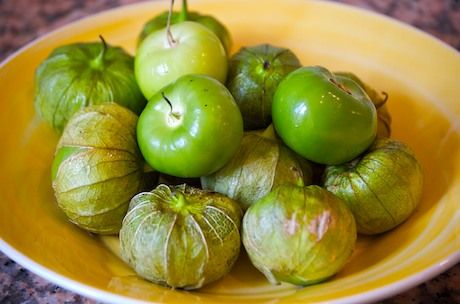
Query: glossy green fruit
x=321, y=119
x=261, y=164
x=181, y=236
x=97, y=167
x=382, y=187
x=196, y=50
x=299, y=235
x=82, y=74
x=190, y=128
x=253, y=76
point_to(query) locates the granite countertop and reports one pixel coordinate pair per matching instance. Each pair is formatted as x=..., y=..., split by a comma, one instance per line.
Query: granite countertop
x=24, y=20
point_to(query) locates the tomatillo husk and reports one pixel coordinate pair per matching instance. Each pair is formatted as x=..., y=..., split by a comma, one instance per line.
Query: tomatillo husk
x=261, y=164
x=82, y=74
x=97, y=167
x=382, y=187
x=253, y=76
x=299, y=235
x=180, y=236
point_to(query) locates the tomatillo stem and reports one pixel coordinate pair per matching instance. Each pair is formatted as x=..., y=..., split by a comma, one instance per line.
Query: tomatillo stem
x=167, y=100
x=169, y=35
x=99, y=60
x=184, y=11
x=172, y=114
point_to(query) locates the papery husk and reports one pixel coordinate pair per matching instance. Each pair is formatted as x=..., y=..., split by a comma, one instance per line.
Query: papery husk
x=299, y=235
x=82, y=74
x=180, y=236
x=382, y=187
x=260, y=165
x=98, y=167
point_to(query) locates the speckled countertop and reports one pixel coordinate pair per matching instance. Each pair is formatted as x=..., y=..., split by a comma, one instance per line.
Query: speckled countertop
x=22, y=21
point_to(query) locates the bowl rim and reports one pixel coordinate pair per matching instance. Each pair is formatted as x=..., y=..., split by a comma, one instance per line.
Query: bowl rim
x=371, y=296
x=110, y=297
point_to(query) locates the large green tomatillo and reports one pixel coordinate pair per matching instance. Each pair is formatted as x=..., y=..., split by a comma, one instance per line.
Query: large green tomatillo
x=321, y=119
x=181, y=236
x=82, y=74
x=381, y=187
x=97, y=167
x=195, y=50
x=253, y=76
x=378, y=99
x=261, y=164
x=300, y=235
x=160, y=21
x=190, y=128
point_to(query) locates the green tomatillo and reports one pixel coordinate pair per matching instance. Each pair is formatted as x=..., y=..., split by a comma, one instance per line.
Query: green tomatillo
x=322, y=119
x=299, y=235
x=253, y=76
x=184, y=48
x=160, y=21
x=82, y=74
x=97, y=167
x=180, y=236
x=190, y=128
x=382, y=187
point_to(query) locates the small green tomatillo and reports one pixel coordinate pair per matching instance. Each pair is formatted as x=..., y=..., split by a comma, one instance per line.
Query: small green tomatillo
x=322, y=119
x=190, y=128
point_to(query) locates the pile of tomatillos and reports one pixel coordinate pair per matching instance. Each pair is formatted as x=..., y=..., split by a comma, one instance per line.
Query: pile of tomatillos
x=250, y=148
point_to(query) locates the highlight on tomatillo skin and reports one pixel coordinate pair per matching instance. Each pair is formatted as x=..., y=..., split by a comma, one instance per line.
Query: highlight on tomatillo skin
x=180, y=236
x=82, y=74
x=190, y=128
x=97, y=167
x=299, y=235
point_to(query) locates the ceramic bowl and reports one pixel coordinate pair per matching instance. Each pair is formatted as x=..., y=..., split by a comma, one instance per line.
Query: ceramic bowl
x=419, y=73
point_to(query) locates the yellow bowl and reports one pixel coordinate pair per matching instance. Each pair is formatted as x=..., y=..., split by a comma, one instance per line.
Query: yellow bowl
x=419, y=73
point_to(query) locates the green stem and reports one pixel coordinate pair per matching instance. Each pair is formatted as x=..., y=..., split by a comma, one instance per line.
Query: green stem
x=184, y=12
x=98, y=62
